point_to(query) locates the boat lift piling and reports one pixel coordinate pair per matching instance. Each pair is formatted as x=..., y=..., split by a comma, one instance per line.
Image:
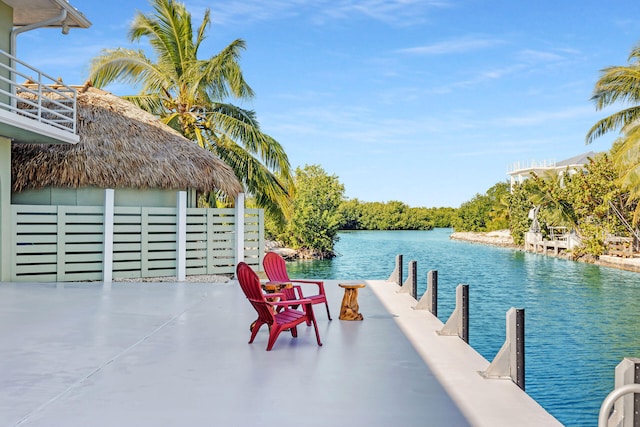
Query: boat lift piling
x=509, y=362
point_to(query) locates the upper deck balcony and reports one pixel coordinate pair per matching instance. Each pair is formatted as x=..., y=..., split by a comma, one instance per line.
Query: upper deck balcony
x=40, y=110
x=35, y=107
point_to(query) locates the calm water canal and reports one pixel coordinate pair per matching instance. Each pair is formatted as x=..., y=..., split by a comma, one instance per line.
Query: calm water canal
x=581, y=319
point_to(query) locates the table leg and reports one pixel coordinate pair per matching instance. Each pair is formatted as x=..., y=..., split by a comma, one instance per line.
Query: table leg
x=349, y=309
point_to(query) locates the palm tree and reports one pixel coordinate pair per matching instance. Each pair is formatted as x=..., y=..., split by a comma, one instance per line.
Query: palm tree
x=548, y=196
x=191, y=95
x=621, y=84
x=626, y=159
x=617, y=84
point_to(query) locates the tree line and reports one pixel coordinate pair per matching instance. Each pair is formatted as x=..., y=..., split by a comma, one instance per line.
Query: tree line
x=320, y=211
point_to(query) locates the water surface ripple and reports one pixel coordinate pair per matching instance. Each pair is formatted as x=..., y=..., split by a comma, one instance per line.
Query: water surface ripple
x=581, y=320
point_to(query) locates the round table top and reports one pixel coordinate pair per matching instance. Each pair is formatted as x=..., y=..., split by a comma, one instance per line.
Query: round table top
x=351, y=285
x=276, y=286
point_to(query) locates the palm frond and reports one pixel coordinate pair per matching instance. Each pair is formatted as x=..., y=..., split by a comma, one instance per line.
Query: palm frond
x=124, y=65
x=617, y=84
x=240, y=125
x=615, y=121
x=268, y=189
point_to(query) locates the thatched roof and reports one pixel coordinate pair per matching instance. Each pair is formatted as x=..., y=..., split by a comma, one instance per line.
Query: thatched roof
x=121, y=146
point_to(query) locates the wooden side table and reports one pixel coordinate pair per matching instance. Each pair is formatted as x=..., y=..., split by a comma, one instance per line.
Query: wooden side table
x=349, y=308
x=274, y=287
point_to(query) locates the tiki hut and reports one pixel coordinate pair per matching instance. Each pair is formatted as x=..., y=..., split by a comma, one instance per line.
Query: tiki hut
x=121, y=147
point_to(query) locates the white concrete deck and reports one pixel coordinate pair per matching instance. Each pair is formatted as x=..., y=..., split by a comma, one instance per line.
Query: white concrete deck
x=170, y=354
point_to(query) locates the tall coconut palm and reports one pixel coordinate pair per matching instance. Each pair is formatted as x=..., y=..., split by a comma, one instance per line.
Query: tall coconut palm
x=621, y=84
x=617, y=84
x=192, y=96
x=626, y=159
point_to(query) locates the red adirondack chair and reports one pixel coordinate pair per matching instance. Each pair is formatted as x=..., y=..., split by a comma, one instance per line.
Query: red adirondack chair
x=276, y=270
x=277, y=321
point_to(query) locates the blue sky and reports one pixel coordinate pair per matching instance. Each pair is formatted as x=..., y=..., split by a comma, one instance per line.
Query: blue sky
x=422, y=101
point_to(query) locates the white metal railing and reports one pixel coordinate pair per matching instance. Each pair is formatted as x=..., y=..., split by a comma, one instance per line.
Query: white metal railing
x=607, y=404
x=526, y=165
x=40, y=97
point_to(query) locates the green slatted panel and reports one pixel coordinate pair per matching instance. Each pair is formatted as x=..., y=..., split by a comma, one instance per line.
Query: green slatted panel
x=254, y=237
x=57, y=243
x=196, y=241
x=159, y=242
x=127, y=242
x=221, y=241
x=80, y=243
x=65, y=243
x=34, y=239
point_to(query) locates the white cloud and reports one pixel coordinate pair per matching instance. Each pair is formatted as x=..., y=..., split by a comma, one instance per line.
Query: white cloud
x=394, y=12
x=479, y=78
x=536, y=56
x=459, y=45
x=542, y=117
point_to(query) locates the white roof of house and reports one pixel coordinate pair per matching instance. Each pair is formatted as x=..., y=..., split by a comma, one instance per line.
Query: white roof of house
x=523, y=168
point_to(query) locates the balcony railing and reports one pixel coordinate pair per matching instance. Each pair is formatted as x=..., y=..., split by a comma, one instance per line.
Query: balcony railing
x=40, y=97
x=527, y=165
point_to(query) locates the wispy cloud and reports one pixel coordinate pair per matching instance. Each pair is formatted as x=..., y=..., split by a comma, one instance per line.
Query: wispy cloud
x=395, y=12
x=477, y=79
x=403, y=12
x=542, y=117
x=537, y=56
x=458, y=45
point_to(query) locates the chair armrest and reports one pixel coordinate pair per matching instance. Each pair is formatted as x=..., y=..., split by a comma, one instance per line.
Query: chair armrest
x=290, y=302
x=319, y=283
x=275, y=295
x=298, y=291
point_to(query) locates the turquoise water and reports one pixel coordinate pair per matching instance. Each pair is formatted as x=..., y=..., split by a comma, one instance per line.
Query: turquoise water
x=581, y=320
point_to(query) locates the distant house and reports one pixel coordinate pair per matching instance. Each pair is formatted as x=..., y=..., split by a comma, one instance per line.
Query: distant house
x=520, y=171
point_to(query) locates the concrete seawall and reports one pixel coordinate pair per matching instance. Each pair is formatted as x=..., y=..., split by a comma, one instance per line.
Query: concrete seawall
x=457, y=366
x=500, y=238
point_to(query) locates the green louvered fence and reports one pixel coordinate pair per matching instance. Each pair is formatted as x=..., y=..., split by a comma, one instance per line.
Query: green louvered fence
x=66, y=243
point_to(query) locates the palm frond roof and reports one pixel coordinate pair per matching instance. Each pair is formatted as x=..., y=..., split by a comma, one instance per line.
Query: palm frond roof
x=121, y=146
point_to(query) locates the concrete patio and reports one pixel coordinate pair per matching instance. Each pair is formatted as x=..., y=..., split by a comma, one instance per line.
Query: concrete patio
x=176, y=354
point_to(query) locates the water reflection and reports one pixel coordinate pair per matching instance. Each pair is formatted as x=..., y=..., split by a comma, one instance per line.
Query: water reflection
x=581, y=319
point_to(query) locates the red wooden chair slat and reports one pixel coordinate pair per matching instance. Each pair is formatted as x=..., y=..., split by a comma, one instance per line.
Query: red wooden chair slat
x=276, y=270
x=287, y=318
